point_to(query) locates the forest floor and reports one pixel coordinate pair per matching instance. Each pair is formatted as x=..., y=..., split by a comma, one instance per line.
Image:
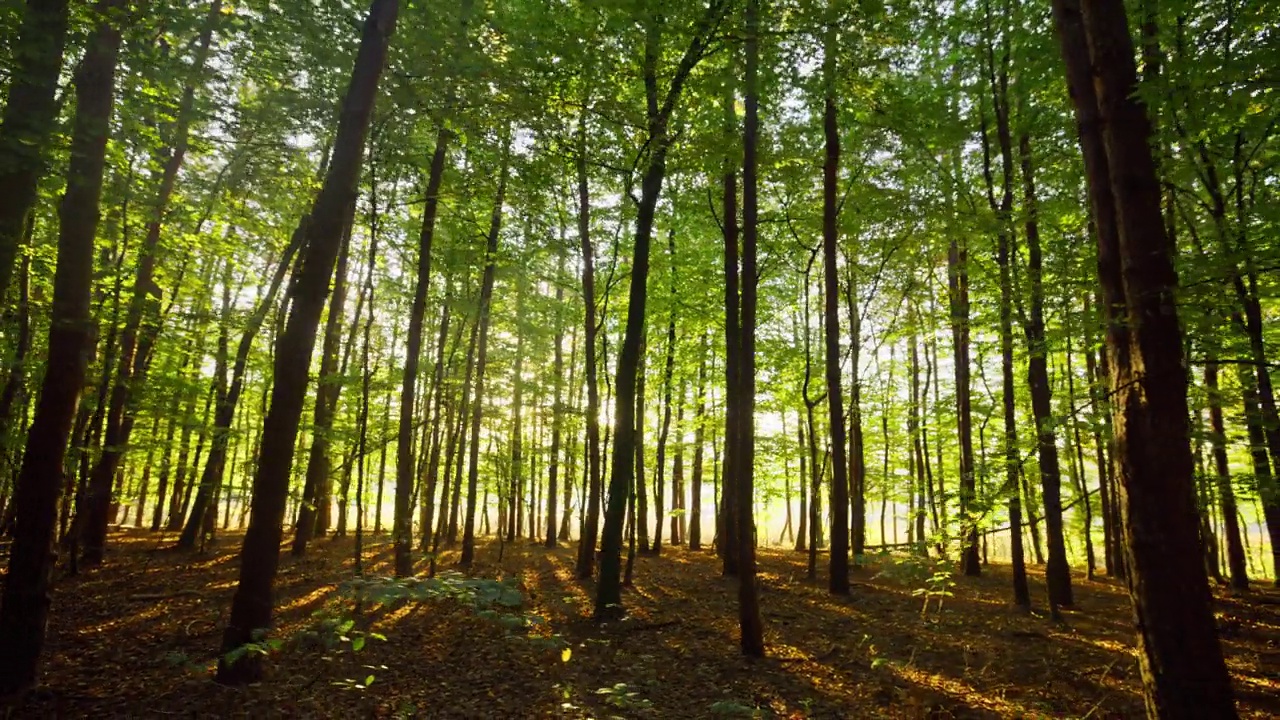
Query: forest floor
x=138, y=638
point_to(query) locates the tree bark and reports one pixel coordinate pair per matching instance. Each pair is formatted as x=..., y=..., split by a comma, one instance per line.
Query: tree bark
x=839, y=579
x=1057, y=572
x=30, y=112
x=482, y=321
x=557, y=421
x=608, y=600
x=135, y=339
x=24, y=605
x=1180, y=658
x=749, y=623
x=251, y=607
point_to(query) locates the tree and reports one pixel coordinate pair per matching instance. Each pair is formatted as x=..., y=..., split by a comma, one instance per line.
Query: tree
x=658, y=116
x=28, y=119
x=1183, y=672
x=839, y=582
x=24, y=606
x=252, y=605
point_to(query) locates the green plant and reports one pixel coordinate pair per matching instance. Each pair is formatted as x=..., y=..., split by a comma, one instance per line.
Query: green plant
x=622, y=697
x=937, y=586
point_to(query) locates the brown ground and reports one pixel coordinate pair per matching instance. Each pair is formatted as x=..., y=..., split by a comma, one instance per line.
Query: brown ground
x=136, y=638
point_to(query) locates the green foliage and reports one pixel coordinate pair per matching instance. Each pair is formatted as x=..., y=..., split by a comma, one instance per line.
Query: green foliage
x=621, y=696
x=480, y=594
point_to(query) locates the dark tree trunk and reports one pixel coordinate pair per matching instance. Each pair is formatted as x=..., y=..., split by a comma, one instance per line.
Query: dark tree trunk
x=668, y=376
x=1236, y=562
x=1180, y=658
x=1057, y=573
x=557, y=421
x=315, y=501
x=1110, y=551
x=24, y=606
x=252, y=605
x=514, y=514
x=839, y=580
x=135, y=339
x=482, y=322
x=699, y=446
x=436, y=424
x=750, y=626
x=591, y=518
x=726, y=520
x=957, y=263
x=403, y=531
x=640, y=486
x=608, y=602
x=30, y=112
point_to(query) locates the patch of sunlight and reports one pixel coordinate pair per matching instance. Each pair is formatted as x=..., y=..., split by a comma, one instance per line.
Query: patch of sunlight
x=223, y=585
x=837, y=608
x=395, y=616
x=212, y=562
x=1263, y=684
x=1103, y=644
x=154, y=611
x=961, y=691
x=313, y=596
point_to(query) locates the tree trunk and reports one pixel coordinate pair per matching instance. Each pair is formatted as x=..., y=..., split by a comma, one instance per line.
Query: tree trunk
x=315, y=501
x=726, y=522
x=482, y=322
x=24, y=606
x=403, y=530
x=839, y=579
x=608, y=602
x=1057, y=573
x=251, y=607
x=699, y=447
x=136, y=340
x=591, y=519
x=668, y=375
x=1180, y=658
x=557, y=421
x=750, y=626
x=30, y=114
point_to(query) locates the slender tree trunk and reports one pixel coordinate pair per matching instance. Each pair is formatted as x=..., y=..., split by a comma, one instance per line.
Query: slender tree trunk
x=557, y=422
x=514, y=514
x=1110, y=551
x=252, y=605
x=726, y=519
x=1057, y=572
x=136, y=340
x=482, y=321
x=957, y=263
x=608, y=602
x=434, y=432
x=315, y=501
x=24, y=605
x=839, y=580
x=591, y=519
x=699, y=447
x=668, y=374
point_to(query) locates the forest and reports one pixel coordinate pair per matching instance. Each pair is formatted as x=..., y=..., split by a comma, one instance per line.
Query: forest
x=640, y=358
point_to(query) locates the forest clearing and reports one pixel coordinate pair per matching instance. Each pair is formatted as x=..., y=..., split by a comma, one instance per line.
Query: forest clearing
x=640, y=358
x=871, y=655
